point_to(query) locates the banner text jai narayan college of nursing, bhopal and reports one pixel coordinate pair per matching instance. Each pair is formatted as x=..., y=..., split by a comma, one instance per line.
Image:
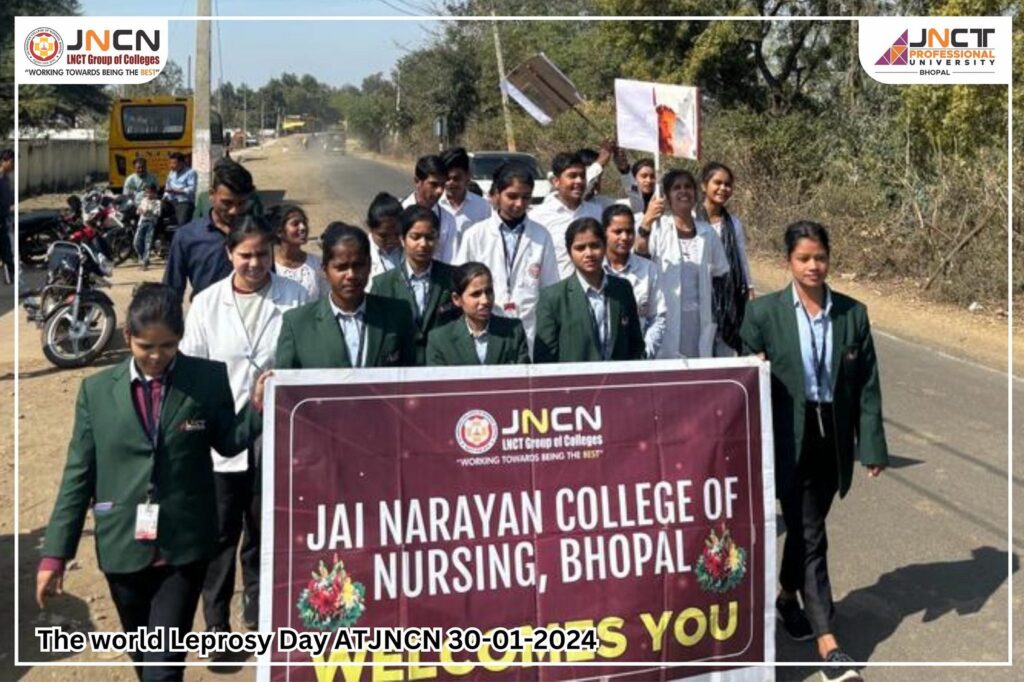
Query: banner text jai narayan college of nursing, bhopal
x=630, y=502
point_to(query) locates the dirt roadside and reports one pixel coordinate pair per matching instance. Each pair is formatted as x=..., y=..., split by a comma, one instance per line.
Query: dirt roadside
x=45, y=416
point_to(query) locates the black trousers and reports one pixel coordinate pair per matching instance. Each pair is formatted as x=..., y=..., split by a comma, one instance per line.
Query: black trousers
x=158, y=596
x=805, y=504
x=183, y=211
x=238, y=512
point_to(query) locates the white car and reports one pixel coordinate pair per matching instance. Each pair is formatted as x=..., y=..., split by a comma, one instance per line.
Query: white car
x=483, y=164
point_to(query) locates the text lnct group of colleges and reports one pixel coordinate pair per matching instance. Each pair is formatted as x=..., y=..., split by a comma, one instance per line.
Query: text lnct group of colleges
x=169, y=439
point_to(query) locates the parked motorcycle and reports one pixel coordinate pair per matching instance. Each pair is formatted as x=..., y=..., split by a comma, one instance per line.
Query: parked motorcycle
x=36, y=232
x=76, y=320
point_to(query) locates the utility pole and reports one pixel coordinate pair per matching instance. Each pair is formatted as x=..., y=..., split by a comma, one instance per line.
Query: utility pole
x=510, y=138
x=188, y=76
x=201, y=160
x=245, y=113
x=262, y=123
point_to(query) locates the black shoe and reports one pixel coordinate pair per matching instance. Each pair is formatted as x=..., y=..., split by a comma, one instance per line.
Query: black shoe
x=793, y=620
x=219, y=656
x=837, y=668
x=250, y=612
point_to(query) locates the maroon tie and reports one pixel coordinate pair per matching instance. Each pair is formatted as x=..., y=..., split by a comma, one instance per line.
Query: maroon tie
x=153, y=418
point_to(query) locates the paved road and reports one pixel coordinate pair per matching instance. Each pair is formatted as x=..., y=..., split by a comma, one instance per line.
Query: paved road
x=920, y=559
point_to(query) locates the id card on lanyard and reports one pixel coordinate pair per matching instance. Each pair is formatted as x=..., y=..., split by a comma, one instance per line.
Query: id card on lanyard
x=510, y=260
x=819, y=362
x=147, y=514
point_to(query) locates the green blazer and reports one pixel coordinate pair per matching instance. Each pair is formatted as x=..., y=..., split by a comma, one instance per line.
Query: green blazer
x=770, y=327
x=110, y=460
x=311, y=337
x=439, y=309
x=565, y=331
x=452, y=345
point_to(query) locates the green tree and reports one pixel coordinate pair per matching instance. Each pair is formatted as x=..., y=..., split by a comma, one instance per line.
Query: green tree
x=170, y=81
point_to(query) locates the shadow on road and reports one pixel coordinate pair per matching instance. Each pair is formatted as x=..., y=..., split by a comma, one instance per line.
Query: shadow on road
x=67, y=611
x=871, y=615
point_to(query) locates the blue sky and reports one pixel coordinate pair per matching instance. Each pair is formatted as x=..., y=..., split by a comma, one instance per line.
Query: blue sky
x=334, y=52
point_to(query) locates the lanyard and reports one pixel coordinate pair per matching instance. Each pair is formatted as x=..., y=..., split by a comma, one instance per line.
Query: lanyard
x=510, y=259
x=153, y=428
x=602, y=346
x=819, y=362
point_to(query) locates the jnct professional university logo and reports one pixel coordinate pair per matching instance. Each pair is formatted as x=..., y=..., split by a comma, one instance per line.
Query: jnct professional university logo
x=476, y=432
x=44, y=46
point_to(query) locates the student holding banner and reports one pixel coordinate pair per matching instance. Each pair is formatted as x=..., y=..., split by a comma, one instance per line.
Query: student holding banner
x=826, y=406
x=689, y=255
x=517, y=251
x=348, y=327
x=641, y=273
x=588, y=316
x=236, y=321
x=478, y=337
x=139, y=457
x=422, y=282
x=565, y=205
x=733, y=290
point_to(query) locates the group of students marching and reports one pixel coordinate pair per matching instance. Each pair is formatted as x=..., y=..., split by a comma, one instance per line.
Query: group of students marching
x=443, y=278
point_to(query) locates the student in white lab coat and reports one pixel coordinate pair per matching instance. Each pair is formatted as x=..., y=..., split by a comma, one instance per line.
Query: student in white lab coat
x=237, y=321
x=518, y=251
x=385, y=234
x=466, y=208
x=688, y=254
x=429, y=179
x=641, y=273
x=565, y=205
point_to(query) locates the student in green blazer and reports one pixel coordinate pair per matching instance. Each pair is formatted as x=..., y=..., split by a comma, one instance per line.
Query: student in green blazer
x=827, y=409
x=588, y=316
x=139, y=456
x=348, y=327
x=478, y=337
x=424, y=283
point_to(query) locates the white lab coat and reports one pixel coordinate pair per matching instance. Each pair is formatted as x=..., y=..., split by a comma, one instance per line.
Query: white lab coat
x=214, y=330
x=448, y=239
x=667, y=255
x=642, y=275
x=555, y=217
x=533, y=269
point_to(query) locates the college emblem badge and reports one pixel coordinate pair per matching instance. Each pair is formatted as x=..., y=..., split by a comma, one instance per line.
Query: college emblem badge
x=44, y=46
x=476, y=432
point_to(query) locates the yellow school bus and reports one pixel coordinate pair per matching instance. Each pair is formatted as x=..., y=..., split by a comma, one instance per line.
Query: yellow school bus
x=153, y=128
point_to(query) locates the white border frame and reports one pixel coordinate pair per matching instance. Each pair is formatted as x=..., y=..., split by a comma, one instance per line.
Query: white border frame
x=18, y=662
